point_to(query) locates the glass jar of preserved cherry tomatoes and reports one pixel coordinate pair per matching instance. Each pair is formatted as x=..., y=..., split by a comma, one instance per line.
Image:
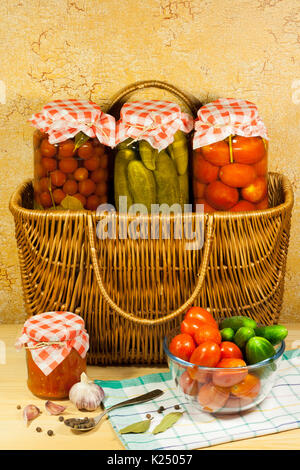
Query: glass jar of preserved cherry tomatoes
x=71, y=164
x=230, y=158
x=56, y=345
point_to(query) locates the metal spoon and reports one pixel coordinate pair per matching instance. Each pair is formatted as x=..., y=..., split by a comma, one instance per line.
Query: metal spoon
x=91, y=423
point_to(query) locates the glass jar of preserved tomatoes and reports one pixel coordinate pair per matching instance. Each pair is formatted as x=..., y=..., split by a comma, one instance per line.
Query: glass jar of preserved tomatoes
x=71, y=164
x=230, y=158
x=56, y=345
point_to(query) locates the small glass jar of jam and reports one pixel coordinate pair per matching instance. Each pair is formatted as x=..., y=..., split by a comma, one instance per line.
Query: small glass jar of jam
x=71, y=163
x=230, y=158
x=56, y=344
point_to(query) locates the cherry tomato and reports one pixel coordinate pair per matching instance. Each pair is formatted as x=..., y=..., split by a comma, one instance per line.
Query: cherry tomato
x=92, y=163
x=190, y=326
x=47, y=149
x=87, y=187
x=211, y=397
x=86, y=150
x=217, y=153
x=58, y=195
x=58, y=178
x=201, y=314
x=70, y=187
x=182, y=346
x=93, y=202
x=99, y=175
x=66, y=149
x=49, y=164
x=45, y=199
x=188, y=385
x=249, y=387
x=207, y=332
x=207, y=354
x=101, y=189
x=230, y=350
x=81, y=174
x=68, y=165
x=228, y=377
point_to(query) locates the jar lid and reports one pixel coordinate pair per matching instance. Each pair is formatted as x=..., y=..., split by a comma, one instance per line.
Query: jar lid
x=154, y=120
x=224, y=117
x=50, y=337
x=63, y=119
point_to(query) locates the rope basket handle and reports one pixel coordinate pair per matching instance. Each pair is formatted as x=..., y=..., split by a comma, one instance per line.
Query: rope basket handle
x=144, y=321
x=119, y=99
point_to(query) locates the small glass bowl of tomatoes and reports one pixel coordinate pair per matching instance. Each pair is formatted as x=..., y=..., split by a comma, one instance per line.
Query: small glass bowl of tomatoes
x=213, y=374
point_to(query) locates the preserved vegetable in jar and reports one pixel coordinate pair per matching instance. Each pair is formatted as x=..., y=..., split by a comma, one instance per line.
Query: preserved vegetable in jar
x=71, y=164
x=152, y=157
x=56, y=345
x=230, y=157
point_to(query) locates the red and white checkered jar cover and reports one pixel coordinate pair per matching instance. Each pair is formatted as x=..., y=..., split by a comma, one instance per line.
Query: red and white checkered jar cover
x=64, y=329
x=224, y=117
x=155, y=121
x=63, y=119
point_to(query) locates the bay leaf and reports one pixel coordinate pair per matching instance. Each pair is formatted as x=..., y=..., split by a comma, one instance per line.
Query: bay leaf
x=72, y=203
x=137, y=428
x=80, y=139
x=167, y=422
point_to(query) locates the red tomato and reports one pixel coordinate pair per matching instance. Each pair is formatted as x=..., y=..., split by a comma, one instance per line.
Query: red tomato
x=201, y=314
x=228, y=378
x=249, y=387
x=207, y=333
x=212, y=398
x=188, y=385
x=182, y=346
x=201, y=376
x=230, y=350
x=190, y=326
x=207, y=354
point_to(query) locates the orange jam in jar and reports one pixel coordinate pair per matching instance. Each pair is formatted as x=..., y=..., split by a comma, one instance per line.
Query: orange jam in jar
x=57, y=384
x=56, y=345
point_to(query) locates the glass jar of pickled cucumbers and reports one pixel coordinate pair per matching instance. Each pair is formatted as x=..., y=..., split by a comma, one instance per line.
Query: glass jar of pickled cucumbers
x=230, y=174
x=152, y=157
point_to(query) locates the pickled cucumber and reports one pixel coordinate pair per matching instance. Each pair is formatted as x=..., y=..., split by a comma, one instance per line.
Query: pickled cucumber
x=121, y=187
x=183, y=189
x=167, y=183
x=141, y=184
x=148, y=154
x=179, y=152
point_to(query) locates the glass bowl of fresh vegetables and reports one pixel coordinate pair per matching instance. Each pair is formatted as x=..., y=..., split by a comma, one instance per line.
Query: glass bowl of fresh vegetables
x=225, y=367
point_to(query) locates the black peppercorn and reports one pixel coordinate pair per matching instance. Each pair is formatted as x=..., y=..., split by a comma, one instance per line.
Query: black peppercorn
x=161, y=409
x=61, y=418
x=148, y=416
x=18, y=407
x=50, y=432
x=177, y=407
x=38, y=429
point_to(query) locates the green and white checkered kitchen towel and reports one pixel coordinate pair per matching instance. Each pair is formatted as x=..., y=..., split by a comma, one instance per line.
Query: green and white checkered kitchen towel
x=279, y=411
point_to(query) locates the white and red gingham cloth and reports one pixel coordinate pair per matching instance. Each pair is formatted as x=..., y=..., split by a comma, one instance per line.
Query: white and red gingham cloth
x=63, y=119
x=154, y=120
x=224, y=117
x=64, y=329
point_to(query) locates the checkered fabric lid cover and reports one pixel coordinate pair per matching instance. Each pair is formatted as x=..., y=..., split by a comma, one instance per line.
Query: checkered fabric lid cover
x=63, y=119
x=224, y=117
x=65, y=328
x=154, y=120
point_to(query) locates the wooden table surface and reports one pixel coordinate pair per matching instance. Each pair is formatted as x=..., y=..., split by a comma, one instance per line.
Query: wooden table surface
x=13, y=392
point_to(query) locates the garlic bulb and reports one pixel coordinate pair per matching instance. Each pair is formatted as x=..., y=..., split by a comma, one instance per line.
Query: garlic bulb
x=86, y=395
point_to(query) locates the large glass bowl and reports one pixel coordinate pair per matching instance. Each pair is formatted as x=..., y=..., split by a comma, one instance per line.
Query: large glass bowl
x=223, y=390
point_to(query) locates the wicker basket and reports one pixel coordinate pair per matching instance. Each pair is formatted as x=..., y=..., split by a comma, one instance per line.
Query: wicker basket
x=132, y=292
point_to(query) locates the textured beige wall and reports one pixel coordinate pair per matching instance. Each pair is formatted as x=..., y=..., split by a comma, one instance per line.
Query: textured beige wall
x=91, y=48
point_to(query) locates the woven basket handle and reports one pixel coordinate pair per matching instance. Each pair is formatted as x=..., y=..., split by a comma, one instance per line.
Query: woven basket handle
x=119, y=99
x=130, y=316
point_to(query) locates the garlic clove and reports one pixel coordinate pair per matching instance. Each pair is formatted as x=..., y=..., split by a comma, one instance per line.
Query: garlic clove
x=54, y=408
x=30, y=412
